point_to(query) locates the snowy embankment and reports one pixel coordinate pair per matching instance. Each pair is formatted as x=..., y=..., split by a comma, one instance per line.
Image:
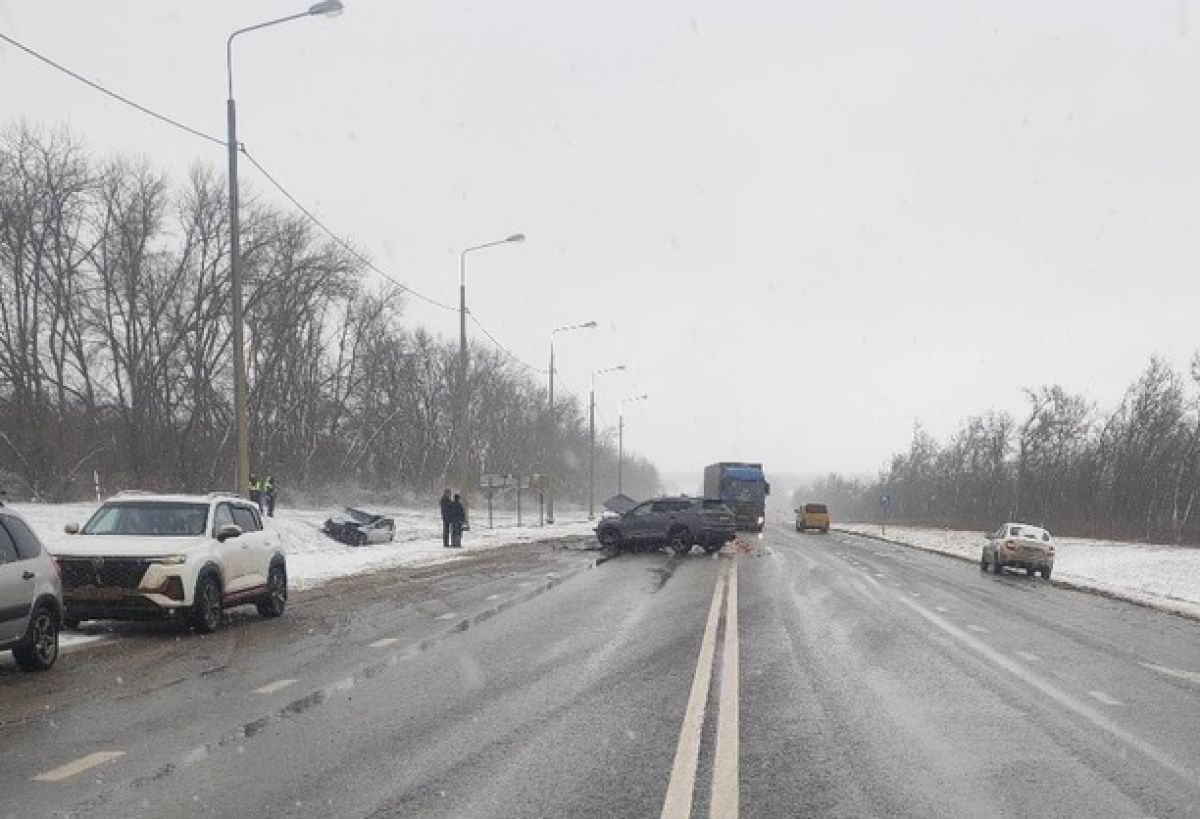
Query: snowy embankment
x=314, y=558
x=1166, y=577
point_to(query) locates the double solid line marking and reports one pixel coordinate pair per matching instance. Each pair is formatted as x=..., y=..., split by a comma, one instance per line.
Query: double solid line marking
x=723, y=802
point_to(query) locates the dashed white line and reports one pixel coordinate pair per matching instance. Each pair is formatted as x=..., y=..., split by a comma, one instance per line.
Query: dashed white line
x=942, y=609
x=78, y=766
x=1104, y=698
x=271, y=688
x=1190, y=676
x=1025, y=655
x=977, y=629
x=450, y=615
x=386, y=641
x=492, y=597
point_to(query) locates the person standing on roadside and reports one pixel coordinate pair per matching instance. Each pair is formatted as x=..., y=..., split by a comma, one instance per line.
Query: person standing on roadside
x=446, y=503
x=268, y=494
x=458, y=517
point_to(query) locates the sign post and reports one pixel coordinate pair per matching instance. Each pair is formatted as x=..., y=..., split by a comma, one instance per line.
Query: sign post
x=885, y=501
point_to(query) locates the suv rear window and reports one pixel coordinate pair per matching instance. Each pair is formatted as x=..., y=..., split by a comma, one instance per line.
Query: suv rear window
x=816, y=508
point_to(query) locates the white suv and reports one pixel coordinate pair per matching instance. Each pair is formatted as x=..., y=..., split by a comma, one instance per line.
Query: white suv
x=142, y=556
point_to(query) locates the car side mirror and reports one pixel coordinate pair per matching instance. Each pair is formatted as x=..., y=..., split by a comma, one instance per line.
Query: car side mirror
x=71, y=528
x=227, y=531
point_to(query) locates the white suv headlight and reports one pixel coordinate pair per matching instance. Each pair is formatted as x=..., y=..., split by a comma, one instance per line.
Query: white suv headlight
x=168, y=560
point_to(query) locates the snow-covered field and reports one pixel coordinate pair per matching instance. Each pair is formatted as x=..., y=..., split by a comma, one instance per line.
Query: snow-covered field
x=1166, y=577
x=313, y=558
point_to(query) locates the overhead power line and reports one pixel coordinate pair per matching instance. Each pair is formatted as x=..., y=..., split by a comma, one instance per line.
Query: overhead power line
x=118, y=97
x=266, y=175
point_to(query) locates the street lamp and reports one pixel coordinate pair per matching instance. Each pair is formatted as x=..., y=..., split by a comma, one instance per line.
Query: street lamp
x=592, y=438
x=621, y=436
x=462, y=444
x=241, y=475
x=550, y=459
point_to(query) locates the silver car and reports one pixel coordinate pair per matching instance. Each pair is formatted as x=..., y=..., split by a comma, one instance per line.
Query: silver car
x=31, y=606
x=1019, y=545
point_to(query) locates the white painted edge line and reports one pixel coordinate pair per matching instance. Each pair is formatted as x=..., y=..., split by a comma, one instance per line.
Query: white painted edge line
x=386, y=641
x=78, y=766
x=678, y=802
x=725, y=795
x=1104, y=698
x=271, y=688
x=1189, y=676
x=1079, y=707
x=492, y=597
x=1025, y=655
x=447, y=616
x=942, y=609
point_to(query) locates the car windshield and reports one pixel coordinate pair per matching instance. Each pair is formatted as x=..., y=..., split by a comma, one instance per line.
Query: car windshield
x=145, y=518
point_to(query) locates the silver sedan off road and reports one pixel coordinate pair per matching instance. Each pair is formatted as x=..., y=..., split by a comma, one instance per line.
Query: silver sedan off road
x=1021, y=546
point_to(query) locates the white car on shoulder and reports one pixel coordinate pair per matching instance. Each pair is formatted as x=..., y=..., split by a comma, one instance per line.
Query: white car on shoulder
x=1018, y=545
x=145, y=556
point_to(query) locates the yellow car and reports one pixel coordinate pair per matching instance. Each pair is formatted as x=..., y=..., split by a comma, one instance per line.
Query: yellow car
x=813, y=516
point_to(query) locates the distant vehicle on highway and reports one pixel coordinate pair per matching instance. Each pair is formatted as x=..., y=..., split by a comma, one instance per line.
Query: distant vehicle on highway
x=1021, y=546
x=680, y=523
x=743, y=488
x=813, y=516
x=31, y=604
x=143, y=556
x=358, y=527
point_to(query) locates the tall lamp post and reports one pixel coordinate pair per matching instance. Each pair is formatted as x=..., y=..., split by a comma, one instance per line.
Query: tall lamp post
x=592, y=438
x=550, y=459
x=462, y=425
x=241, y=475
x=621, y=437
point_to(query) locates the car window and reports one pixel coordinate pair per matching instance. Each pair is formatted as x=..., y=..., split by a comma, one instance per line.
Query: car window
x=222, y=517
x=27, y=544
x=246, y=519
x=659, y=507
x=642, y=510
x=8, y=549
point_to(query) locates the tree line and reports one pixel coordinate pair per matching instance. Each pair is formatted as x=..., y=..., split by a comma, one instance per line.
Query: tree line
x=115, y=348
x=1131, y=473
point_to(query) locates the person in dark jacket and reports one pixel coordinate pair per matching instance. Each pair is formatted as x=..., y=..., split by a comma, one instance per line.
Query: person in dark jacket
x=446, y=503
x=458, y=517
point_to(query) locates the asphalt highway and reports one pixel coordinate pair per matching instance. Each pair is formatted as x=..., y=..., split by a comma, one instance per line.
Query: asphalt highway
x=801, y=675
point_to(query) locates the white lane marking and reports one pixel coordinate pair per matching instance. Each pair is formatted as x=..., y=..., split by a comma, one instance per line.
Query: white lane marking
x=78, y=766
x=447, y=616
x=916, y=594
x=942, y=609
x=1025, y=655
x=978, y=629
x=492, y=597
x=1104, y=698
x=678, y=802
x=725, y=795
x=386, y=641
x=1190, y=676
x=1061, y=697
x=271, y=688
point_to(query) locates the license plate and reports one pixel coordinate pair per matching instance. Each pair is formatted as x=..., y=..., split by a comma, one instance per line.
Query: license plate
x=97, y=593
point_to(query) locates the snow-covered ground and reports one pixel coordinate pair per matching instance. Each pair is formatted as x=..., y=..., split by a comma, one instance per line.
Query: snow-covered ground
x=1166, y=577
x=313, y=558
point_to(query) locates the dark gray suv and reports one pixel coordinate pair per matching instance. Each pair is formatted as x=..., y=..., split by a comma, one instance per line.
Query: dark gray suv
x=30, y=595
x=676, y=522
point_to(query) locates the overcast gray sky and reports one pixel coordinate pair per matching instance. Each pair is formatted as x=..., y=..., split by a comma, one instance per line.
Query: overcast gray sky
x=802, y=225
